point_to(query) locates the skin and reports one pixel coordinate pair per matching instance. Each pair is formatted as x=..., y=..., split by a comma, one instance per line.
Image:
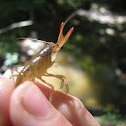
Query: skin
x=28, y=105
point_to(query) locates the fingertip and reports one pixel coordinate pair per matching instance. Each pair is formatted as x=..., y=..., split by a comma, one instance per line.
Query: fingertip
x=35, y=102
x=6, y=89
x=29, y=103
x=5, y=81
x=74, y=110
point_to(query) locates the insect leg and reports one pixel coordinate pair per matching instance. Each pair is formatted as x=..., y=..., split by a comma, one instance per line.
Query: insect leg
x=52, y=87
x=12, y=73
x=12, y=76
x=62, y=78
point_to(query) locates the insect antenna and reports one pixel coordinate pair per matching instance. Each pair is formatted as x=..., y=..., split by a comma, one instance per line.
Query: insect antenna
x=36, y=40
x=69, y=18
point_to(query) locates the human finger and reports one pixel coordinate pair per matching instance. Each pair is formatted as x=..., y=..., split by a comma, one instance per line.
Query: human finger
x=71, y=107
x=30, y=107
x=6, y=89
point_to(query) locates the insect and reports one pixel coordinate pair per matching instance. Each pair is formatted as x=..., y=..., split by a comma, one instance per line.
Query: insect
x=44, y=59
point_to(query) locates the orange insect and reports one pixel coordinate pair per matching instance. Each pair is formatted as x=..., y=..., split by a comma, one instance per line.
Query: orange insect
x=44, y=59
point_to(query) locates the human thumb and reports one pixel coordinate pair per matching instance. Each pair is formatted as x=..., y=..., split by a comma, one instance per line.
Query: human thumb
x=30, y=107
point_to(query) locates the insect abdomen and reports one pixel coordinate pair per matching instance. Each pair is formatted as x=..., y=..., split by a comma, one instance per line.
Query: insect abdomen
x=24, y=75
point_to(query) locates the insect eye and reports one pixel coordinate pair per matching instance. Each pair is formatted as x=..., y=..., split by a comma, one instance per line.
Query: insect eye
x=53, y=45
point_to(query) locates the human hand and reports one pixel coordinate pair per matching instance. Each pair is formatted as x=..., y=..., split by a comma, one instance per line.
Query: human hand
x=28, y=105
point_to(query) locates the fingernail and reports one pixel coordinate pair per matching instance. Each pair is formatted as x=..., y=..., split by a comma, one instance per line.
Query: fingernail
x=35, y=102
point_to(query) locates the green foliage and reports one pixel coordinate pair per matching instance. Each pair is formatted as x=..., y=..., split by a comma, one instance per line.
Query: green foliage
x=112, y=118
x=9, y=42
x=87, y=39
x=92, y=67
x=10, y=59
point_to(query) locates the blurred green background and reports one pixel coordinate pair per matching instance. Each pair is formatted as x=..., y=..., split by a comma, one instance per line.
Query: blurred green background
x=95, y=52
